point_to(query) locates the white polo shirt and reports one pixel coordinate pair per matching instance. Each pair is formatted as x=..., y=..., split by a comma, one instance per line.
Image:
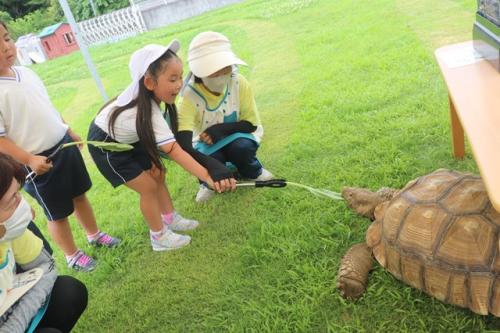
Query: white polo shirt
x=27, y=116
x=125, y=130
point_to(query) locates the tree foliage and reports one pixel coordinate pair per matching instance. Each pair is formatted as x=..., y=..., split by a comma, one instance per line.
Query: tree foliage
x=82, y=9
x=31, y=23
x=34, y=21
x=19, y=8
x=24, y=17
x=4, y=16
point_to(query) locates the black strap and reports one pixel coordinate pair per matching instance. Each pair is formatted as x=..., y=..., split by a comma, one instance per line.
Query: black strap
x=219, y=131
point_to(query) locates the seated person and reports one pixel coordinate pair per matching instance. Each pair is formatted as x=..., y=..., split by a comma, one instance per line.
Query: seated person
x=52, y=304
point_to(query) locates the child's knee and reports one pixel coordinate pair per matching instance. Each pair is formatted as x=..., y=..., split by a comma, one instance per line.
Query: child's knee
x=244, y=145
x=157, y=174
x=243, y=148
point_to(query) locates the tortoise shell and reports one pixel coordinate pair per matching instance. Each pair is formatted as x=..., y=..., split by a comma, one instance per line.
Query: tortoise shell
x=439, y=234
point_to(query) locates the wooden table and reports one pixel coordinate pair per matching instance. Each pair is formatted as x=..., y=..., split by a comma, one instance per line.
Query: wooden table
x=474, y=96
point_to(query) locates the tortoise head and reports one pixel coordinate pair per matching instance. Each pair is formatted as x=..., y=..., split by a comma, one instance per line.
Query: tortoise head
x=364, y=201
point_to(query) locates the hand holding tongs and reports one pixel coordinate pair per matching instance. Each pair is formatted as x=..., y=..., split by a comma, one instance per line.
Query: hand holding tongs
x=32, y=174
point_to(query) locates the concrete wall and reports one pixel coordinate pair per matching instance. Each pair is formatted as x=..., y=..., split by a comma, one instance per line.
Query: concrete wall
x=159, y=13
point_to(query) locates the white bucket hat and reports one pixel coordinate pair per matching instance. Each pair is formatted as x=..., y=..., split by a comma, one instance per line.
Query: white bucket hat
x=139, y=64
x=209, y=52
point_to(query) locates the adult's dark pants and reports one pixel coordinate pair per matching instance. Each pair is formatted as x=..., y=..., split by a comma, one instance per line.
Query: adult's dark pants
x=67, y=302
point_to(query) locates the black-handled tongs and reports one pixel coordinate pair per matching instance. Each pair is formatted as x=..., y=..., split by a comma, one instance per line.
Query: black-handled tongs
x=265, y=183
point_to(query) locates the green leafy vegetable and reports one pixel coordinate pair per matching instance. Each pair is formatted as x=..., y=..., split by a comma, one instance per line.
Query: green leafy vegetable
x=111, y=146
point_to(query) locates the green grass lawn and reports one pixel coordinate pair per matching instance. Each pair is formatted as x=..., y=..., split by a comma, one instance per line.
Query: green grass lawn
x=350, y=94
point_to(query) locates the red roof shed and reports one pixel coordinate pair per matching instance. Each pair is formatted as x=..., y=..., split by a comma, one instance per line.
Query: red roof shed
x=58, y=40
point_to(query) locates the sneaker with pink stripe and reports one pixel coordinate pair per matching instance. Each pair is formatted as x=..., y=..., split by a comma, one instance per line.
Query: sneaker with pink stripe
x=103, y=239
x=81, y=262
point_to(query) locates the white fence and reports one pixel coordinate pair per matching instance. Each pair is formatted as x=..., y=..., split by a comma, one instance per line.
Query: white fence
x=142, y=16
x=118, y=25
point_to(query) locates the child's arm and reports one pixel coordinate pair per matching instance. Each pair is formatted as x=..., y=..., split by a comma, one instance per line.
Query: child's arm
x=75, y=137
x=176, y=153
x=37, y=163
x=216, y=169
x=218, y=131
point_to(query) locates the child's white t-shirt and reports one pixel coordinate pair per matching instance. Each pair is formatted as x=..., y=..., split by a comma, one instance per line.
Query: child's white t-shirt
x=125, y=130
x=27, y=116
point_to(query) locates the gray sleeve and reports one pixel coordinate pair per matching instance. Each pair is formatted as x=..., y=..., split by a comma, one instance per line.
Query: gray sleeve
x=22, y=312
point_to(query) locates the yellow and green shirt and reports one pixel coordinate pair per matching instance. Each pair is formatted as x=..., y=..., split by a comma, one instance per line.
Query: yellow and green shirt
x=191, y=111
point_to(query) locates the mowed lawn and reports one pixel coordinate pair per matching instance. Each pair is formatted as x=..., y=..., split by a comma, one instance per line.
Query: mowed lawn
x=349, y=94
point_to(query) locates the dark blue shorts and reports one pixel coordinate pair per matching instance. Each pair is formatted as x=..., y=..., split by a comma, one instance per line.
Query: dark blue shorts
x=117, y=167
x=68, y=179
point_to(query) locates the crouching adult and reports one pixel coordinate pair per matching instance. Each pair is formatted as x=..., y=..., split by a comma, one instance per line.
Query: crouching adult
x=51, y=304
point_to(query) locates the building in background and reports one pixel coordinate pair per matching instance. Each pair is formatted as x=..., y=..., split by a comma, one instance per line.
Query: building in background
x=58, y=40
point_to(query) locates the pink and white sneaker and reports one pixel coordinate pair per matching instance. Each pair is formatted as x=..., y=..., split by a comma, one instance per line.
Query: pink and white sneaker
x=81, y=262
x=105, y=240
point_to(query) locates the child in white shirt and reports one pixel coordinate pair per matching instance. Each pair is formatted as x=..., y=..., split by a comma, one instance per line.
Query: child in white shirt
x=135, y=118
x=30, y=130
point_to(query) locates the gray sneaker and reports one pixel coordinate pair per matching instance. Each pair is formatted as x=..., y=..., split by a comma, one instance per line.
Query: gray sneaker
x=204, y=194
x=181, y=223
x=265, y=175
x=82, y=262
x=169, y=241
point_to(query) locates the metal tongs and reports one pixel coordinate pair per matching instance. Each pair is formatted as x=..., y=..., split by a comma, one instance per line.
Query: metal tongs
x=264, y=183
x=111, y=146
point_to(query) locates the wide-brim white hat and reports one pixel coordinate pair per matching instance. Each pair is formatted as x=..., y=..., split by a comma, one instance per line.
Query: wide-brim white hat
x=139, y=64
x=209, y=52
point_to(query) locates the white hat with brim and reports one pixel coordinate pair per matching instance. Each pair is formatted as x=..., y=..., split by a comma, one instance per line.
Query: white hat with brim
x=210, y=52
x=138, y=66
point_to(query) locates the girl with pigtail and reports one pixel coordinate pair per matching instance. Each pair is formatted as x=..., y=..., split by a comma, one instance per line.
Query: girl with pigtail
x=135, y=118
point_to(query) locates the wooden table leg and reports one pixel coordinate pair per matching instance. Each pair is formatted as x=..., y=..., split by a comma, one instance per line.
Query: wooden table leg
x=457, y=133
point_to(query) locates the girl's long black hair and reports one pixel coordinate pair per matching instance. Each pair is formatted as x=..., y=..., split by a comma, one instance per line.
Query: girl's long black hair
x=143, y=102
x=172, y=115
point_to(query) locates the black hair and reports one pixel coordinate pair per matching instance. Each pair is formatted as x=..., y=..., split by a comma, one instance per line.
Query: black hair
x=4, y=25
x=197, y=79
x=10, y=169
x=143, y=122
x=172, y=115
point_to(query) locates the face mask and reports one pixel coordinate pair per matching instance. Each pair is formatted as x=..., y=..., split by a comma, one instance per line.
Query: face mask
x=217, y=84
x=18, y=222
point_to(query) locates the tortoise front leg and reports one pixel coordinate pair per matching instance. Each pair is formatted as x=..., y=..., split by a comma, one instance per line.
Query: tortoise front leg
x=353, y=271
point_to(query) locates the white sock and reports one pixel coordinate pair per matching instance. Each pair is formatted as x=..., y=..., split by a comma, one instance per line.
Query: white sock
x=157, y=234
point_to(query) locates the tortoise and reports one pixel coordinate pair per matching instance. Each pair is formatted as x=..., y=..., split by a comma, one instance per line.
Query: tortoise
x=438, y=234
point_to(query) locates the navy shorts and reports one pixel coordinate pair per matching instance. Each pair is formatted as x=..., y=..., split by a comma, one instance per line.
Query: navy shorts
x=68, y=179
x=117, y=167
